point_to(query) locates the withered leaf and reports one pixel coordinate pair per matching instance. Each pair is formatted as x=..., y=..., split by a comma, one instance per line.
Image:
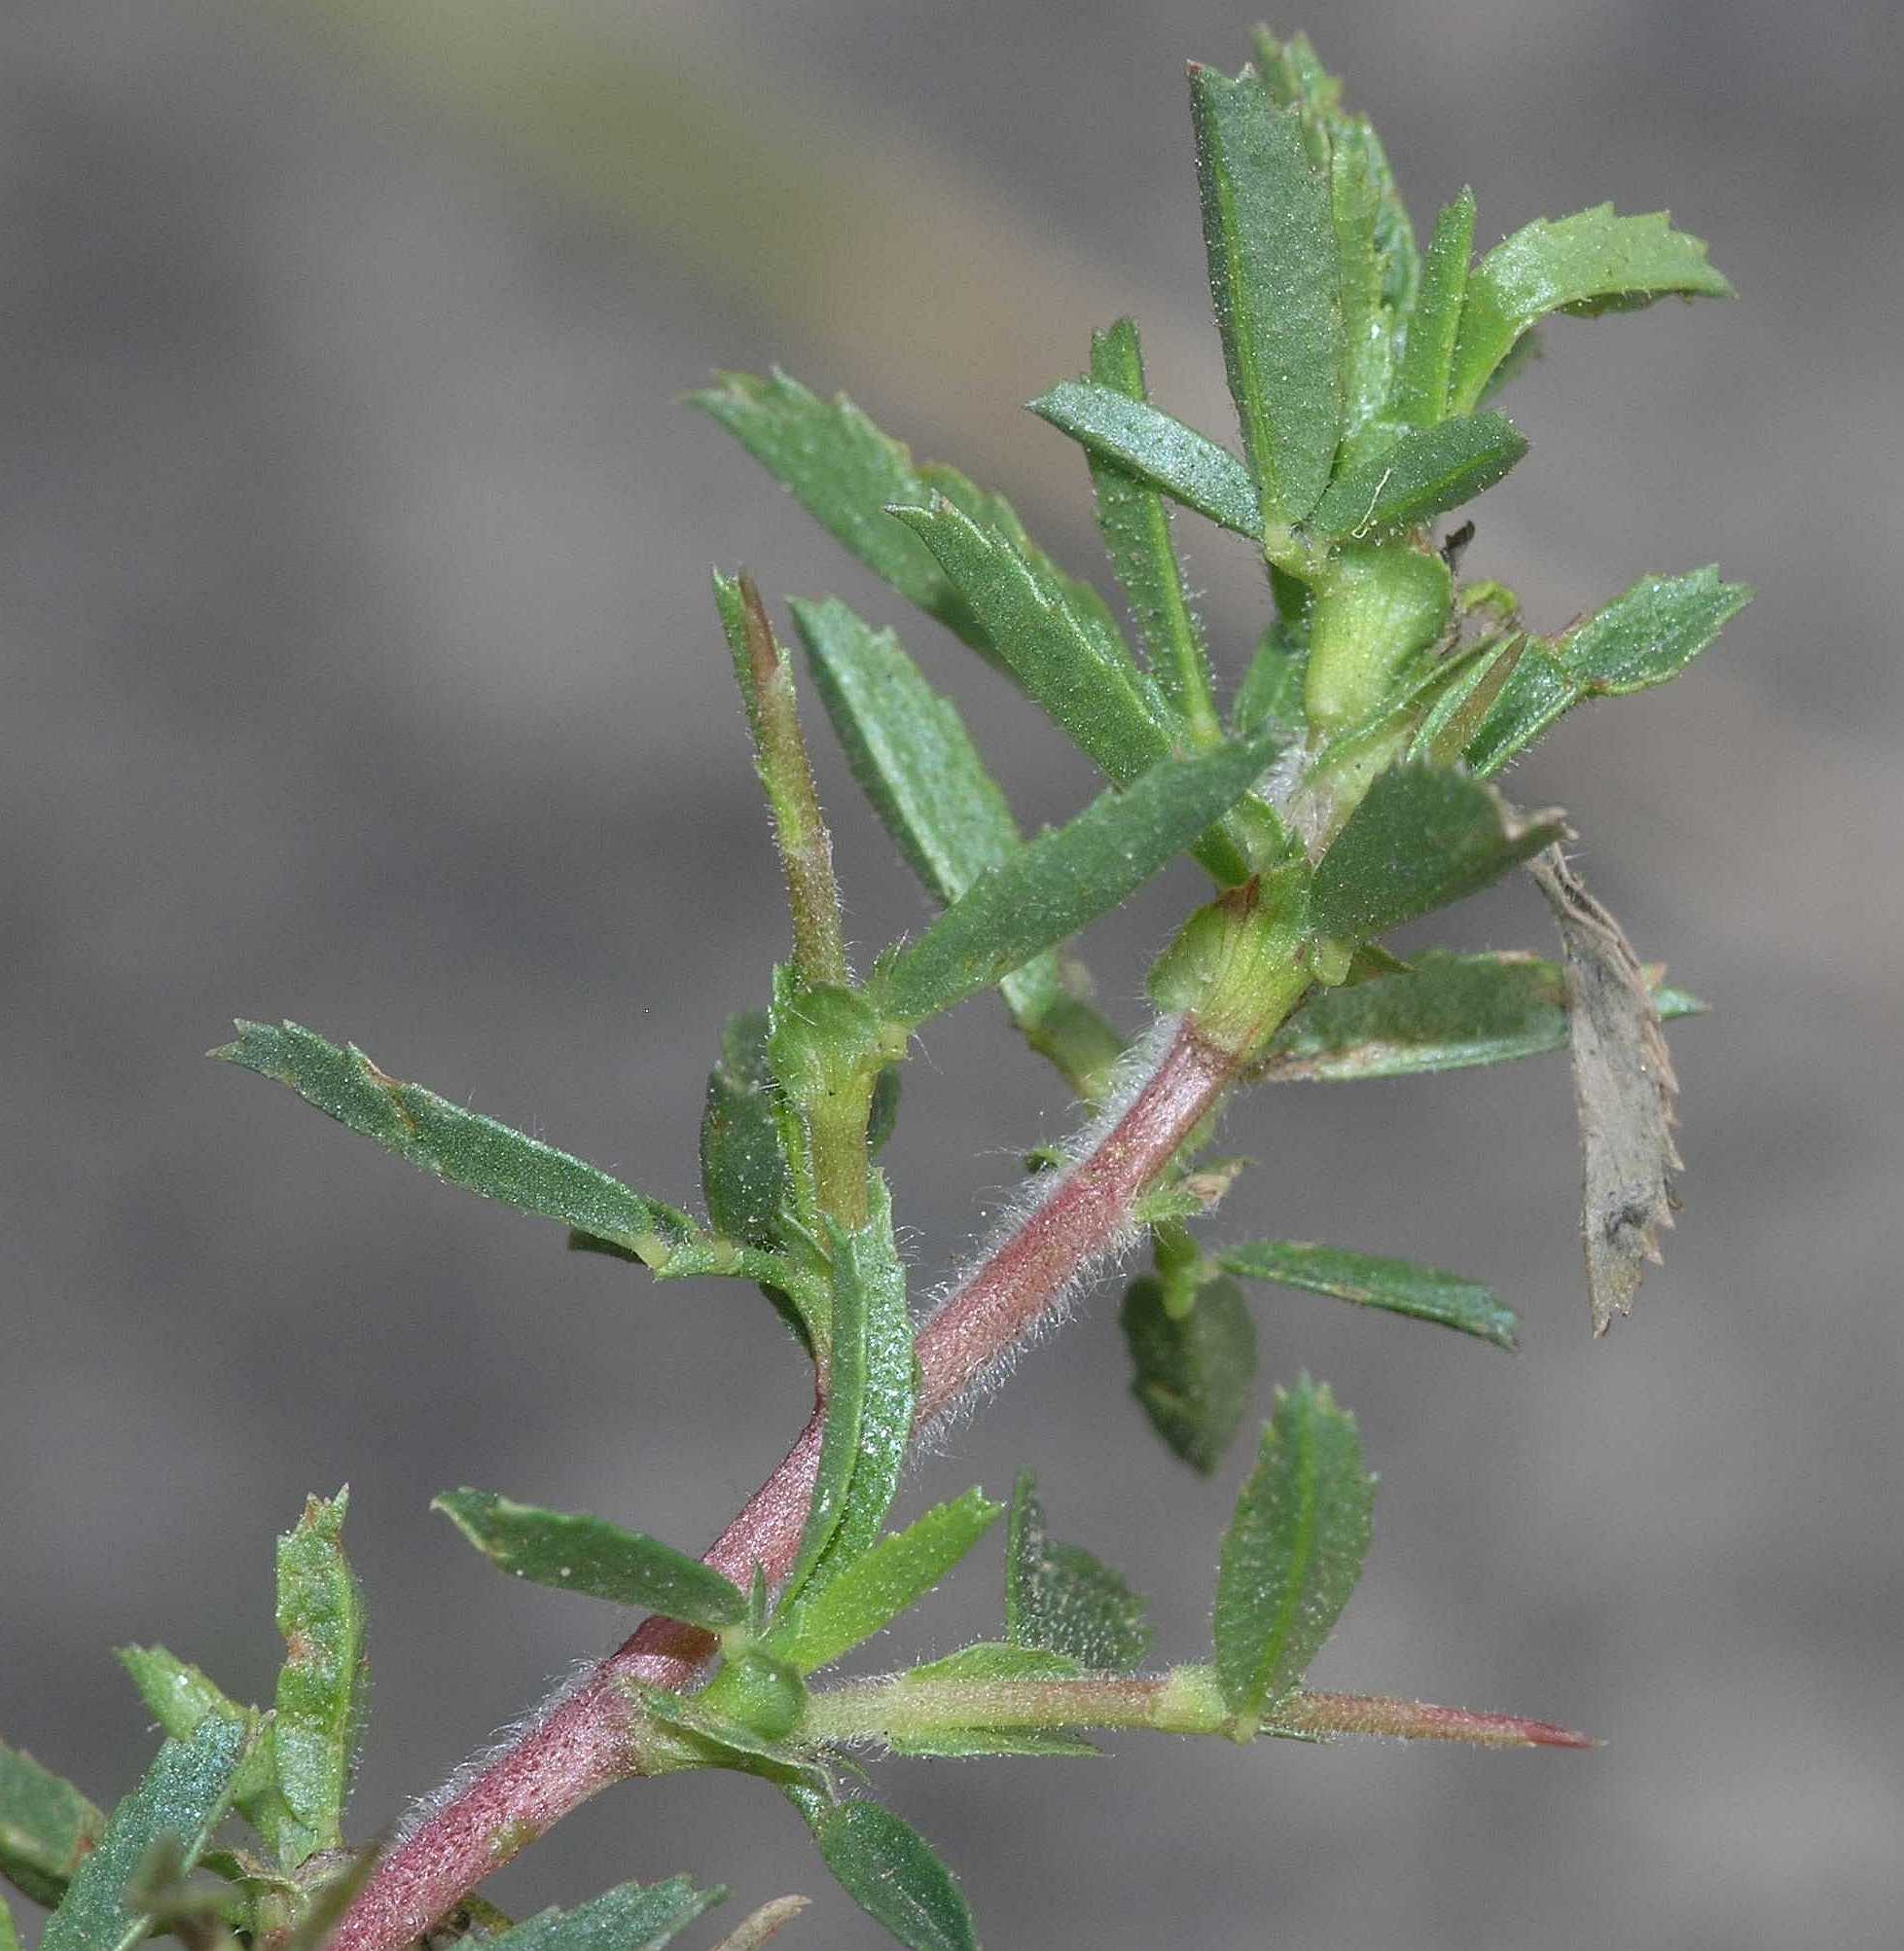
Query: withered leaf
x=1624, y=1090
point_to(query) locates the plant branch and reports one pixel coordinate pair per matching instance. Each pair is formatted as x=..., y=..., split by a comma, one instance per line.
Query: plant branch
x=589, y=1737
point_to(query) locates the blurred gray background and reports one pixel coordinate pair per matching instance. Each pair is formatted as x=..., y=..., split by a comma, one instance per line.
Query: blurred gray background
x=359, y=667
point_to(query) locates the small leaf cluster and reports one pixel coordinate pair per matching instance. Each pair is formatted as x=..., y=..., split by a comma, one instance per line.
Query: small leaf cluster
x=1338, y=783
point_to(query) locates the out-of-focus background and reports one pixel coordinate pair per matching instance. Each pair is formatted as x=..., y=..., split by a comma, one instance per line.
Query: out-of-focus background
x=359, y=667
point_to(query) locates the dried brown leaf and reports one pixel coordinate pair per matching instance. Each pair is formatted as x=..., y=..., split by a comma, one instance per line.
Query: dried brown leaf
x=763, y=1924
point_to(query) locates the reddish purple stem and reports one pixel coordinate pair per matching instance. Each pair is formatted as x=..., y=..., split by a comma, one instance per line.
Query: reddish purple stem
x=582, y=1740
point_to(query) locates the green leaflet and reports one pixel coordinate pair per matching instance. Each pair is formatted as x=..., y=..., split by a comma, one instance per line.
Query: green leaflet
x=1270, y=696
x=180, y=1696
x=872, y=1387
x=743, y=1173
x=1292, y=1554
x=891, y=1872
x=847, y=474
x=1427, y=470
x=591, y=1556
x=184, y=1795
x=1080, y=674
x=47, y=1826
x=1448, y=1012
x=458, y=1145
x=1397, y=1287
x=634, y=1917
x=1193, y=1376
x=323, y=1688
x=1422, y=838
x=1275, y=276
x=1060, y=1599
x=975, y=1666
x=1589, y=263
x=720, y=1740
x=1428, y=359
x=1114, y=425
x=1356, y=166
x=1135, y=521
x=1644, y=637
x=1065, y=879
x=871, y=1591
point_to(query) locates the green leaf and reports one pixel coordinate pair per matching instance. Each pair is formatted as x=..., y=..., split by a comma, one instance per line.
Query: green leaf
x=1292, y=1554
x=1448, y=1012
x=323, y=1688
x=743, y=1172
x=1397, y=1287
x=890, y=1871
x=1422, y=838
x=1060, y=1599
x=1275, y=275
x=590, y=1555
x=1422, y=384
x=871, y=1591
x=47, y=1826
x=458, y=1145
x=9, y=1935
x=634, y=1917
x=1644, y=637
x=1077, y=673
x=988, y=1660
x=1194, y=1375
x=1158, y=451
x=184, y=1795
x=1589, y=263
x=1270, y=697
x=1427, y=470
x=872, y=1388
x=1065, y=880
x=180, y=1697
x=724, y=1741
x=847, y=474
x=1357, y=169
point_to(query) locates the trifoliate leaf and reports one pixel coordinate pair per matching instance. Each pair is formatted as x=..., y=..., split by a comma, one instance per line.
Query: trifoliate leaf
x=1275, y=280
x=578, y=1553
x=1396, y=1286
x=184, y=1797
x=1422, y=838
x=1624, y=1090
x=1194, y=1375
x=47, y=1826
x=458, y=1145
x=1589, y=263
x=891, y=1872
x=1292, y=1554
x=1062, y=1600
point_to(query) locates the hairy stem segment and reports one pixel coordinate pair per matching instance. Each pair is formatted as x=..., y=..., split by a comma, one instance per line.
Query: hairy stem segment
x=587, y=1737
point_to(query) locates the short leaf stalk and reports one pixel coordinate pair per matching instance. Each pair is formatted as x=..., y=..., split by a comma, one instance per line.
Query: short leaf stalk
x=1342, y=791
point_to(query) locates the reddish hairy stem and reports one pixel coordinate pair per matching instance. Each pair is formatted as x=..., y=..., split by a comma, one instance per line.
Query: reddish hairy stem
x=584, y=1740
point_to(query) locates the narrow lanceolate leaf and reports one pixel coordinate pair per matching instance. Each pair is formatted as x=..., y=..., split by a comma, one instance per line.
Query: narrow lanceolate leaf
x=184, y=1795
x=847, y=474
x=1292, y=1554
x=1644, y=637
x=1195, y=1375
x=1270, y=696
x=180, y=1697
x=47, y=1826
x=1446, y=1012
x=743, y=1172
x=871, y=1591
x=590, y=1555
x=323, y=1688
x=1160, y=451
x=1064, y=881
x=1083, y=678
x=1276, y=274
x=1624, y=1090
x=891, y=1872
x=1428, y=359
x=1422, y=838
x=634, y=1917
x=957, y=1681
x=458, y=1145
x=1589, y=263
x=1060, y=1599
x=1396, y=1286
x=1356, y=168
x=870, y=1394
x=1427, y=470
